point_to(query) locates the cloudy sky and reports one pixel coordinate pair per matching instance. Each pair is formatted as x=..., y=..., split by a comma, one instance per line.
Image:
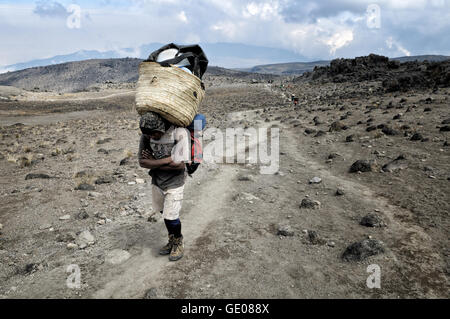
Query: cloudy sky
x=320, y=29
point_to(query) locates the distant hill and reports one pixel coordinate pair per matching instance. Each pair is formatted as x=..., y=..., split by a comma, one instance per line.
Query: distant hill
x=421, y=58
x=94, y=74
x=73, y=76
x=286, y=68
x=298, y=68
x=229, y=55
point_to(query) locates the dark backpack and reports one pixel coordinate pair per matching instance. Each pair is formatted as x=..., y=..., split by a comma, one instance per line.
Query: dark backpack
x=193, y=53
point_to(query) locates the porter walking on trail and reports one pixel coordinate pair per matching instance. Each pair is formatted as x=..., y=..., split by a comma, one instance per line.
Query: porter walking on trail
x=164, y=149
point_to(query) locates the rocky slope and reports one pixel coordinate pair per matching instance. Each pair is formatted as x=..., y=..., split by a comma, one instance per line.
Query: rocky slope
x=97, y=75
x=396, y=76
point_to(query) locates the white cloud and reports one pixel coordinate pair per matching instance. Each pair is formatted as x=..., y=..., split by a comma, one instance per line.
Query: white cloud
x=317, y=29
x=264, y=11
x=339, y=40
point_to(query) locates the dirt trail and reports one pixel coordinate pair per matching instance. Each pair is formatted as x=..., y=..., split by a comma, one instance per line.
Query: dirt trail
x=240, y=255
x=211, y=213
x=48, y=118
x=148, y=269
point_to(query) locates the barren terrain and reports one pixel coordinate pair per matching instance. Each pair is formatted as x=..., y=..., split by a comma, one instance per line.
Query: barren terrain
x=247, y=234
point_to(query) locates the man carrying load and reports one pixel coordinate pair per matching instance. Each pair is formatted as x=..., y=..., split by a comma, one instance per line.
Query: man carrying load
x=164, y=149
x=168, y=93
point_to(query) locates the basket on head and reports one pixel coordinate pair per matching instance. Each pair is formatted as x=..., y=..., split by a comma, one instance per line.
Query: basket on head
x=169, y=91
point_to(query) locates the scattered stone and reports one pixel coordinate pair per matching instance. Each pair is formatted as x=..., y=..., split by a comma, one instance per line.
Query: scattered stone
x=315, y=180
x=397, y=164
x=249, y=197
x=82, y=214
x=372, y=220
x=310, y=204
x=428, y=169
x=310, y=131
x=320, y=133
x=65, y=217
x=389, y=131
x=314, y=238
x=331, y=243
x=333, y=155
x=72, y=246
x=340, y=192
x=350, y=138
x=445, y=128
x=94, y=194
x=100, y=215
x=45, y=226
x=336, y=126
x=85, y=187
x=317, y=121
x=66, y=237
x=117, y=256
x=371, y=128
x=125, y=161
x=427, y=109
x=416, y=137
x=106, y=140
x=1, y=227
x=37, y=175
x=102, y=150
x=140, y=181
x=249, y=178
x=151, y=294
x=362, y=166
x=85, y=238
x=82, y=174
x=104, y=180
x=361, y=250
x=285, y=231
x=32, y=267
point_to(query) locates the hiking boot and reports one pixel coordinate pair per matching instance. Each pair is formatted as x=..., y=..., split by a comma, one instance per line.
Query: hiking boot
x=177, y=249
x=168, y=247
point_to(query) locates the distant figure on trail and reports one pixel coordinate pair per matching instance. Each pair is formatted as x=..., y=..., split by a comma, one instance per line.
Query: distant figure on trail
x=165, y=150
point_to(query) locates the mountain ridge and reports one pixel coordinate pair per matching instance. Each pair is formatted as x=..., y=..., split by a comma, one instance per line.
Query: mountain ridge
x=227, y=55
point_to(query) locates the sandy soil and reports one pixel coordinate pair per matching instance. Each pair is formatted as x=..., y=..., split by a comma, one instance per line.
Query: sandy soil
x=232, y=213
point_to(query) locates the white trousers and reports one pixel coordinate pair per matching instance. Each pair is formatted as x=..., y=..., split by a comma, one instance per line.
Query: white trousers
x=169, y=201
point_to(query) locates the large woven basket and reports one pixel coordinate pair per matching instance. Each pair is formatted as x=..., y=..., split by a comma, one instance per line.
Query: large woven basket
x=169, y=91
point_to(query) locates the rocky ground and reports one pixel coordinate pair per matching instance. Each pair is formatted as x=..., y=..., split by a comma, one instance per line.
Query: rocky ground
x=363, y=179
